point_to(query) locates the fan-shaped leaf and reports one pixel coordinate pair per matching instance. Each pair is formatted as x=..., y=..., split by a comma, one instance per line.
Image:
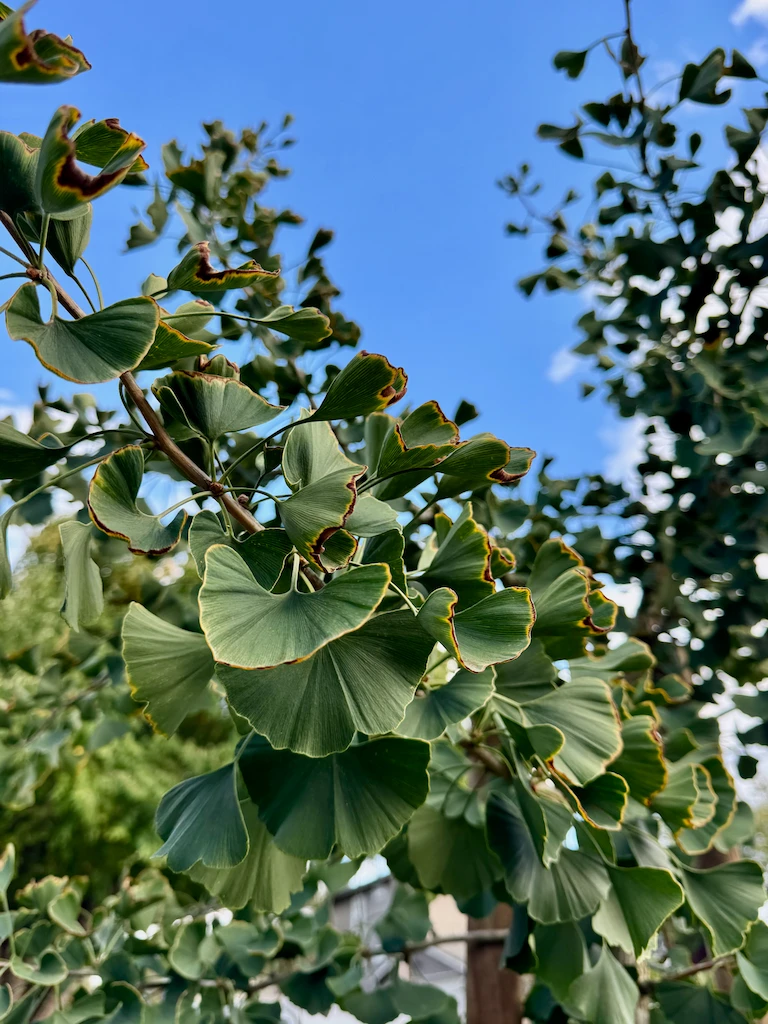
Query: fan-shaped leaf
x=83, y=591
x=19, y=162
x=211, y=405
x=168, y=668
x=97, y=348
x=62, y=188
x=726, y=899
x=583, y=711
x=35, y=57
x=360, y=682
x=433, y=710
x=200, y=820
x=481, y=462
x=49, y=970
x=641, y=761
x=248, y=627
x=306, y=325
x=358, y=799
x=530, y=676
x=196, y=274
x=266, y=878
x=461, y=561
x=112, y=499
x=450, y=854
x=412, y=448
x=753, y=959
x=368, y=383
x=264, y=552
x=498, y=628
x=606, y=994
x=701, y=838
x=22, y=456
x=171, y=340
x=638, y=903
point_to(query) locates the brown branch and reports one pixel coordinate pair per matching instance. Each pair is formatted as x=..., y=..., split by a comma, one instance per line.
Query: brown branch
x=689, y=972
x=493, y=764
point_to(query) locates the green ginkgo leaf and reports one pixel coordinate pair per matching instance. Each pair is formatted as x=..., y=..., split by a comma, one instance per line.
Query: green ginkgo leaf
x=569, y=887
x=37, y=57
x=434, y=709
x=323, y=481
x=603, y=801
x=264, y=552
x=96, y=348
x=701, y=837
x=371, y=517
x=83, y=590
x=171, y=340
x=357, y=799
x=104, y=143
x=726, y=899
x=360, y=682
x=65, y=911
x=686, y=1002
x=68, y=239
x=676, y=801
x=641, y=761
x=481, y=462
x=211, y=405
x=167, y=668
x=584, y=713
x=248, y=627
x=196, y=274
x=265, y=880
x=638, y=903
x=387, y=548
x=21, y=456
x=461, y=560
x=367, y=384
x=7, y=867
x=631, y=656
x=606, y=994
x=308, y=325
x=19, y=162
x=201, y=820
x=62, y=187
x=6, y=1000
x=49, y=970
x=530, y=676
x=496, y=629
x=112, y=497
x=412, y=449
x=753, y=959
x=451, y=854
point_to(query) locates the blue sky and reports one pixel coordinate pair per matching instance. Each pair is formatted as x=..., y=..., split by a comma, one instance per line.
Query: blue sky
x=406, y=114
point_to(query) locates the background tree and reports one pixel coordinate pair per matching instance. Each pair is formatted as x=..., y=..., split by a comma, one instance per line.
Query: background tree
x=341, y=632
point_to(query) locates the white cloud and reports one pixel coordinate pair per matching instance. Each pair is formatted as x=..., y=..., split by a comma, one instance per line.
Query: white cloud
x=625, y=441
x=757, y=9
x=757, y=54
x=562, y=365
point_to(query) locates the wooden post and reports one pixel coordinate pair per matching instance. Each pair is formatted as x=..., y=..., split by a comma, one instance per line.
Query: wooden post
x=493, y=994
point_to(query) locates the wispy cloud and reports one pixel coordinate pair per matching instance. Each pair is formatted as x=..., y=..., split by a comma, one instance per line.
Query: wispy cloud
x=757, y=9
x=562, y=366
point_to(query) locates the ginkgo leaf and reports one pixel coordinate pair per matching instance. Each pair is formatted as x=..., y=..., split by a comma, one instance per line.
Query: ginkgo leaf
x=701, y=838
x=481, y=462
x=371, y=517
x=211, y=405
x=323, y=481
x=83, y=590
x=21, y=456
x=603, y=801
x=638, y=903
x=168, y=669
x=411, y=449
x=461, y=560
x=450, y=854
x=264, y=552
x=201, y=820
x=35, y=57
x=357, y=799
x=196, y=273
x=631, y=656
x=359, y=682
x=62, y=187
x=306, y=325
x=726, y=899
x=112, y=497
x=49, y=970
x=584, y=712
x=249, y=627
x=530, y=676
x=265, y=880
x=675, y=802
x=606, y=994
x=683, y=1001
x=641, y=761
x=171, y=341
x=434, y=709
x=367, y=384
x=752, y=960
x=19, y=162
x=65, y=911
x=97, y=348
x=496, y=629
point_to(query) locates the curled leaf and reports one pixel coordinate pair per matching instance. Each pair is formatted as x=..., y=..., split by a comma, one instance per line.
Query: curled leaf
x=35, y=57
x=196, y=273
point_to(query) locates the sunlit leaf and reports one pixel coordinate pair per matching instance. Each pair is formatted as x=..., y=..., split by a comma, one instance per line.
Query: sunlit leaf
x=211, y=405
x=83, y=590
x=248, y=627
x=367, y=384
x=606, y=994
x=97, y=348
x=35, y=57
x=112, y=503
x=196, y=273
x=434, y=709
x=360, y=682
x=726, y=899
x=168, y=669
x=639, y=901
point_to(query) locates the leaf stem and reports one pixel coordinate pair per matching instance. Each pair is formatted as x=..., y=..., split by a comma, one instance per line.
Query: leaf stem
x=43, y=239
x=12, y=256
x=405, y=597
x=95, y=281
